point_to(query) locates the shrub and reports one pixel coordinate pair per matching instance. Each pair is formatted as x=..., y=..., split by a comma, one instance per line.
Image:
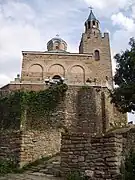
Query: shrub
x=6, y=166
x=128, y=171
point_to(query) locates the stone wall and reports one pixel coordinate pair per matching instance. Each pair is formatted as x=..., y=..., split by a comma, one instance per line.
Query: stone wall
x=10, y=145
x=27, y=146
x=75, y=149
x=98, y=157
x=88, y=109
x=37, y=144
x=84, y=108
x=22, y=86
x=106, y=156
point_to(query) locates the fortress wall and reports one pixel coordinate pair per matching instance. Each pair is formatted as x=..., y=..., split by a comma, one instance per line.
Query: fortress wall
x=98, y=157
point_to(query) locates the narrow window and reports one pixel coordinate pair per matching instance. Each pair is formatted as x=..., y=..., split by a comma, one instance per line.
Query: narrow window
x=94, y=23
x=97, y=55
x=88, y=24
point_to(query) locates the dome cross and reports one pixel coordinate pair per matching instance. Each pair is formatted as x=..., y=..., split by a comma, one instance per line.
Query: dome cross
x=91, y=8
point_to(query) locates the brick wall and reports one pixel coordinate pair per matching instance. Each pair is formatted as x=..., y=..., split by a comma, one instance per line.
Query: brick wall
x=27, y=146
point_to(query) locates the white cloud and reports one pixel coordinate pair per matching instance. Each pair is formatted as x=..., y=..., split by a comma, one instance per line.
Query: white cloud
x=107, y=7
x=4, y=79
x=133, y=12
x=123, y=21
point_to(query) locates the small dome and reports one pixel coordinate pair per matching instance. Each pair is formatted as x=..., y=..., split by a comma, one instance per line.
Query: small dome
x=57, y=44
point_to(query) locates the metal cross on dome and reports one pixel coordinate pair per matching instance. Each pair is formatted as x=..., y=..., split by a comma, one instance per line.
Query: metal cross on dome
x=57, y=35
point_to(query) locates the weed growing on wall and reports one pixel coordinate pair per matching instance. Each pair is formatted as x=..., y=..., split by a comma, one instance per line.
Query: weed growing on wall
x=18, y=107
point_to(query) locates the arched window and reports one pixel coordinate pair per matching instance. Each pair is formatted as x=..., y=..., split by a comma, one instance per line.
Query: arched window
x=97, y=55
x=56, y=77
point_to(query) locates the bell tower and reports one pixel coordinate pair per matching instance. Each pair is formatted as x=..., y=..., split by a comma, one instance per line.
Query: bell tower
x=95, y=43
x=92, y=24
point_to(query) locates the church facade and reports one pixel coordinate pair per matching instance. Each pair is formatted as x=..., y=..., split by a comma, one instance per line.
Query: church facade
x=91, y=66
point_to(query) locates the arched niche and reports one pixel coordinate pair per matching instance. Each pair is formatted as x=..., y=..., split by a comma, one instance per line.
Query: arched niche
x=57, y=69
x=36, y=72
x=97, y=55
x=77, y=75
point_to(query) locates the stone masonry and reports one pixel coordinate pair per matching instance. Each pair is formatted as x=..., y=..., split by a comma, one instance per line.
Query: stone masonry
x=99, y=157
x=84, y=110
x=24, y=147
x=92, y=64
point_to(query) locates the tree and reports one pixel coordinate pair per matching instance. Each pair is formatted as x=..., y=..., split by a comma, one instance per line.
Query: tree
x=124, y=95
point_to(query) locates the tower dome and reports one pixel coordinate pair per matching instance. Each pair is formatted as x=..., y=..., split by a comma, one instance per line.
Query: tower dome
x=57, y=45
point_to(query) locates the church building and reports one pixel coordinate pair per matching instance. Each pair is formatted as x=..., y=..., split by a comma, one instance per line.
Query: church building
x=84, y=109
x=91, y=66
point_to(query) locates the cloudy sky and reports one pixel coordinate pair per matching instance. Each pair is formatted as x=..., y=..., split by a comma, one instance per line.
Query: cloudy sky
x=29, y=24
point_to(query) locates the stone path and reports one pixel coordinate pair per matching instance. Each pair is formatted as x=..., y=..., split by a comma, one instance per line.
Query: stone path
x=48, y=170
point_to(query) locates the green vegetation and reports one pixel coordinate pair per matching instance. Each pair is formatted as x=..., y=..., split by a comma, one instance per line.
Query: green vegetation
x=19, y=106
x=124, y=95
x=6, y=166
x=128, y=169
